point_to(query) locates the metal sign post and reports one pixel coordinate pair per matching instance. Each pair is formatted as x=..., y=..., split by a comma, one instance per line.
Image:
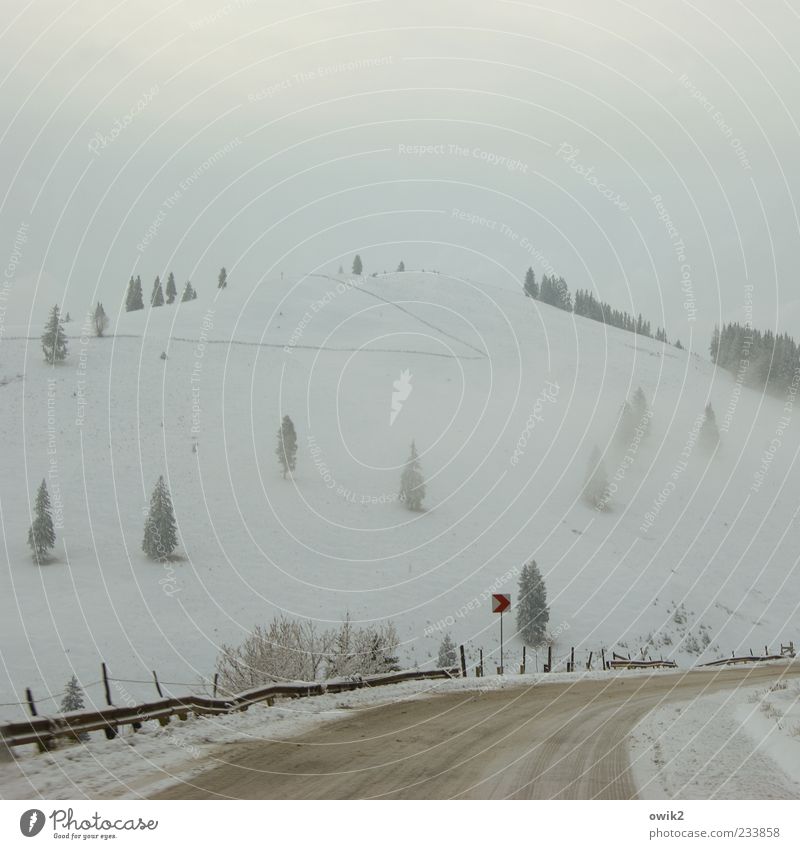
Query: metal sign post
x=500, y=603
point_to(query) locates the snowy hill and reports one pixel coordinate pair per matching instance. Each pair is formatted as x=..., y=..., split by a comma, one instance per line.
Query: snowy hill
x=488, y=368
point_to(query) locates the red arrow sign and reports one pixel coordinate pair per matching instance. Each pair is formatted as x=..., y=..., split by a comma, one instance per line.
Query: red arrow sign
x=500, y=602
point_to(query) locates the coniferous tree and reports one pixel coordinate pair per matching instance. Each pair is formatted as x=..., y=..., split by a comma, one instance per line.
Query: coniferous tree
x=357, y=265
x=41, y=534
x=641, y=410
x=595, y=491
x=171, y=291
x=222, y=280
x=708, y=438
x=157, y=298
x=678, y=344
x=447, y=653
x=533, y=614
x=67, y=318
x=412, y=483
x=54, y=341
x=73, y=696
x=100, y=320
x=286, y=449
x=134, y=299
x=626, y=425
x=531, y=286
x=189, y=293
x=160, y=530
x=402, y=266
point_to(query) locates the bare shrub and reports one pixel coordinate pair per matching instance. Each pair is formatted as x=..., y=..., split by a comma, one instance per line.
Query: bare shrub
x=295, y=650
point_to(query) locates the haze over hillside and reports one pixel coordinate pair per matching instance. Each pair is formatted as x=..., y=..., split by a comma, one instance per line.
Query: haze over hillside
x=507, y=398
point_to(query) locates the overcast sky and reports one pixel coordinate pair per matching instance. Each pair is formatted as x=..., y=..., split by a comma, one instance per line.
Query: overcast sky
x=648, y=150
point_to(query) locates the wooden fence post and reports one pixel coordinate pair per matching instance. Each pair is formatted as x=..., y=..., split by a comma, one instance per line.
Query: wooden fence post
x=572, y=659
x=479, y=670
x=40, y=744
x=603, y=658
x=589, y=662
x=110, y=730
x=463, y=663
x=549, y=667
x=522, y=667
x=158, y=687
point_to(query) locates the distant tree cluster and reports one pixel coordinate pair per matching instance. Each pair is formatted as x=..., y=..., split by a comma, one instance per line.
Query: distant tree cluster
x=761, y=358
x=160, y=295
x=554, y=291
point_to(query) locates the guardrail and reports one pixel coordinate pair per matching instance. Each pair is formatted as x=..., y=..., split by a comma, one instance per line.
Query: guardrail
x=745, y=658
x=625, y=663
x=44, y=730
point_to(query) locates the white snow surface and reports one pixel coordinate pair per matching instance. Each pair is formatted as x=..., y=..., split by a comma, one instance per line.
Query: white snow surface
x=742, y=743
x=719, y=559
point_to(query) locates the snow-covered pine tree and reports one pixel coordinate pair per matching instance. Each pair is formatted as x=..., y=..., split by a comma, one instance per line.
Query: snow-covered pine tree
x=533, y=614
x=447, y=653
x=595, y=491
x=641, y=410
x=73, y=696
x=531, y=286
x=626, y=423
x=357, y=265
x=402, y=266
x=708, y=438
x=41, y=534
x=160, y=531
x=100, y=320
x=171, y=290
x=189, y=293
x=54, y=342
x=412, y=483
x=678, y=344
x=222, y=279
x=286, y=449
x=157, y=298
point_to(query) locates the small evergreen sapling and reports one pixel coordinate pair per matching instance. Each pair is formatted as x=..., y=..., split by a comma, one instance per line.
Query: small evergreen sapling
x=402, y=266
x=54, y=341
x=358, y=267
x=222, y=279
x=41, y=534
x=189, y=293
x=447, y=653
x=160, y=530
x=286, y=449
x=412, y=483
x=73, y=696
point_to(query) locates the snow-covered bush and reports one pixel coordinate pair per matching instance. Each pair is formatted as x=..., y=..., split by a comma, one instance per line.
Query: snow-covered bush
x=296, y=650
